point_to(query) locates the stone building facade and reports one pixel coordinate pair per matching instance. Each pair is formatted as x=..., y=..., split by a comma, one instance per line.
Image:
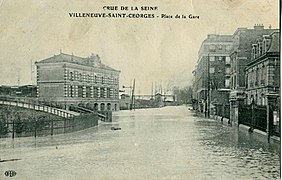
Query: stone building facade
x=72, y=80
x=243, y=38
x=212, y=73
x=263, y=72
x=240, y=55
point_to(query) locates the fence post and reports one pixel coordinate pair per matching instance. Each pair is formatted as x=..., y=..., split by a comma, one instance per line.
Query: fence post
x=64, y=125
x=72, y=123
x=13, y=130
x=253, y=114
x=35, y=127
x=223, y=111
x=271, y=100
x=52, y=125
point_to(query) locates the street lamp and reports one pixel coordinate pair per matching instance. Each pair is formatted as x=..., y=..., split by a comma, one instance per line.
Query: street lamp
x=208, y=91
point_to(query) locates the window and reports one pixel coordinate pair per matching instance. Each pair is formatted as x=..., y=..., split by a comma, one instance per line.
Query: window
x=248, y=77
x=212, y=58
x=220, y=47
x=95, y=79
x=88, y=78
x=91, y=78
x=102, y=79
x=108, y=92
x=227, y=60
x=75, y=75
x=227, y=70
x=263, y=73
x=260, y=49
x=80, y=91
x=257, y=76
x=102, y=92
x=71, y=91
x=71, y=76
x=95, y=93
x=212, y=48
x=212, y=70
x=88, y=91
x=83, y=77
x=80, y=77
x=227, y=83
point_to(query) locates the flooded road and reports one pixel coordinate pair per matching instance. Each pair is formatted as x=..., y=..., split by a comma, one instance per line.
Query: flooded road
x=165, y=143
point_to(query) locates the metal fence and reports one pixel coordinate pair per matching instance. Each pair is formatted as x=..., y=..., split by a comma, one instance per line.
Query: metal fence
x=41, y=124
x=254, y=116
x=222, y=110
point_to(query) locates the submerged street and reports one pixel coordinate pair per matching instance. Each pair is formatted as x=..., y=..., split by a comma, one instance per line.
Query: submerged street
x=161, y=143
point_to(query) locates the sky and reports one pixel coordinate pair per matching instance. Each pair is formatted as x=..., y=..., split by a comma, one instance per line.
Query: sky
x=159, y=50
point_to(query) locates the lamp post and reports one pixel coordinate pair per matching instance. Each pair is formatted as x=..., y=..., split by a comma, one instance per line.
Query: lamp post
x=208, y=92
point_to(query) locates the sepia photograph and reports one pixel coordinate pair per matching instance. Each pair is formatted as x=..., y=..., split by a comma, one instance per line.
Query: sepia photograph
x=140, y=89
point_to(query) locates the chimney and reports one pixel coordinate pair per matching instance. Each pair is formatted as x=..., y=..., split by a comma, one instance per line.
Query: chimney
x=211, y=36
x=258, y=27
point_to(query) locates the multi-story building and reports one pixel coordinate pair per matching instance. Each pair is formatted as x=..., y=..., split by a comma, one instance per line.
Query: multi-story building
x=72, y=80
x=212, y=73
x=263, y=72
x=240, y=55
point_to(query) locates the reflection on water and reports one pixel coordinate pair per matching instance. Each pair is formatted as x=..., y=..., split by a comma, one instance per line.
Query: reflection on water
x=165, y=143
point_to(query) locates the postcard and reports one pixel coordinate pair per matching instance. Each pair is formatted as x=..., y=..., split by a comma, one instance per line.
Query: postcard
x=140, y=89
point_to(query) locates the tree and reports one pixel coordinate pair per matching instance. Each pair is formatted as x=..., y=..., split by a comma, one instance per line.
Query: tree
x=183, y=95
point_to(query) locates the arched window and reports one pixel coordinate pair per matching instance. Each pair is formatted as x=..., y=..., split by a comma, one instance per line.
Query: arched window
x=95, y=79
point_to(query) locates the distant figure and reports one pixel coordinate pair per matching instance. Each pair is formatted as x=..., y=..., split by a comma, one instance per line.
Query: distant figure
x=56, y=147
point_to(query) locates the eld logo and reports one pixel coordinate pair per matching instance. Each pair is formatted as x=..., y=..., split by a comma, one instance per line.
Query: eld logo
x=10, y=173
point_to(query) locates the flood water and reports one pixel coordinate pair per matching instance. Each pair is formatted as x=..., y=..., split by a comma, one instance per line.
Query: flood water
x=163, y=143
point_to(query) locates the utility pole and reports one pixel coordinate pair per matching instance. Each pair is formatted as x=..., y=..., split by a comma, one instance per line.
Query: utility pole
x=132, y=96
x=152, y=90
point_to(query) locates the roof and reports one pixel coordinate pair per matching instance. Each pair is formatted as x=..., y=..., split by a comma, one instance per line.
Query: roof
x=218, y=38
x=274, y=45
x=274, y=48
x=93, y=60
x=215, y=39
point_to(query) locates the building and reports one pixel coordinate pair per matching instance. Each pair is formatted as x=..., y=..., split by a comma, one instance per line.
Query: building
x=125, y=101
x=71, y=80
x=19, y=91
x=212, y=73
x=263, y=71
x=240, y=55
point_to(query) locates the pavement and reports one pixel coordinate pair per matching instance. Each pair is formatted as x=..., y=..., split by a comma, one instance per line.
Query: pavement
x=242, y=127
